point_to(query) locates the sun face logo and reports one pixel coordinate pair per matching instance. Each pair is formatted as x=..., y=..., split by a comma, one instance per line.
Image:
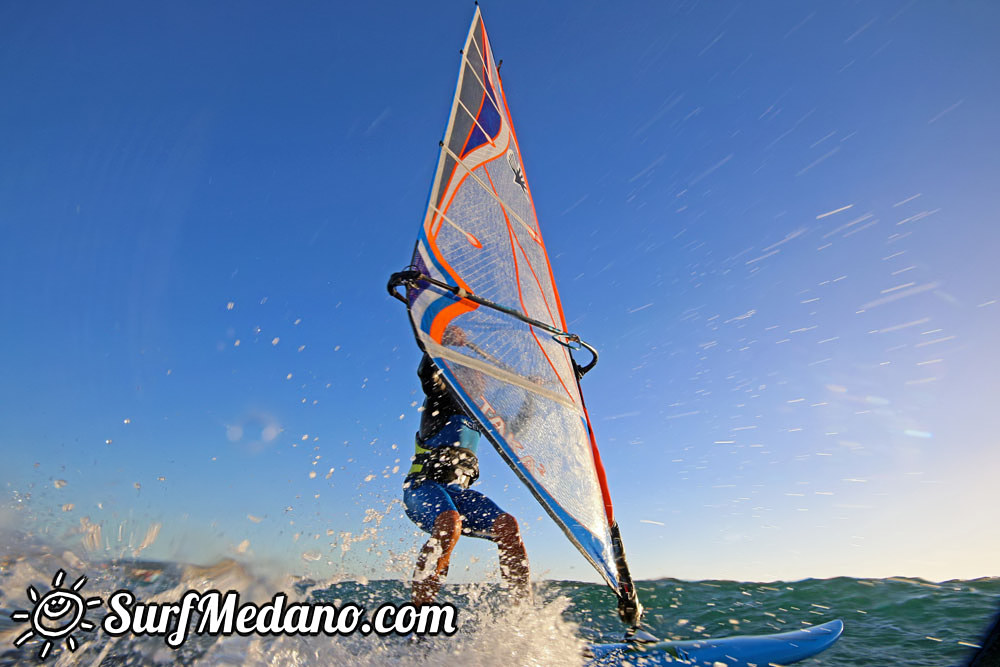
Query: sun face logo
x=56, y=614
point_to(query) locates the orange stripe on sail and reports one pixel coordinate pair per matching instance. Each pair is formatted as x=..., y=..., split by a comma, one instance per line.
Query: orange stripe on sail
x=520, y=295
x=448, y=314
x=531, y=202
x=534, y=275
x=432, y=233
x=609, y=510
x=475, y=119
x=567, y=357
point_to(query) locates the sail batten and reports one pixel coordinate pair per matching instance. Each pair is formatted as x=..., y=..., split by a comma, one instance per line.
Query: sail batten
x=503, y=351
x=496, y=371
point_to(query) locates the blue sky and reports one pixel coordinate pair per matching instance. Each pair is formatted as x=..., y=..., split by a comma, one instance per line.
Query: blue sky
x=776, y=222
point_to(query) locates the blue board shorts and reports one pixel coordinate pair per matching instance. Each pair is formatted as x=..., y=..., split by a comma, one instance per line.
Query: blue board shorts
x=426, y=500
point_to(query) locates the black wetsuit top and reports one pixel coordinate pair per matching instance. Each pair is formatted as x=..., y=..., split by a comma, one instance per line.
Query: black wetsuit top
x=439, y=404
x=439, y=462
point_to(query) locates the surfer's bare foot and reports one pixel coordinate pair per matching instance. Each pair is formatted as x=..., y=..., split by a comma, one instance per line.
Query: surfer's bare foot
x=513, y=557
x=432, y=564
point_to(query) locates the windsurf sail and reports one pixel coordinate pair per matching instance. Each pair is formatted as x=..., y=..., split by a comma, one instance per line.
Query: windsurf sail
x=484, y=306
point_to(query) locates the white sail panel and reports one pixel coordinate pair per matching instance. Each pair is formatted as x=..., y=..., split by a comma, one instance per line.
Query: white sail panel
x=480, y=234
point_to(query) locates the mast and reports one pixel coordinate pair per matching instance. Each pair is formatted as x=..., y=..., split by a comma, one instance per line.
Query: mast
x=480, y=265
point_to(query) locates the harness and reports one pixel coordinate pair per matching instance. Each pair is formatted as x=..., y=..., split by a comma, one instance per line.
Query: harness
x=446, y=443
x=444, y=465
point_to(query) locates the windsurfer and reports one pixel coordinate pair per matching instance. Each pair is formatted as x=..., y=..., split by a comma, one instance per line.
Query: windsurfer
x=436, y=490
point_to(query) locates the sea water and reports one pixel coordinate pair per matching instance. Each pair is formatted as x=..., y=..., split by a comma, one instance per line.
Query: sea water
x=897, y=621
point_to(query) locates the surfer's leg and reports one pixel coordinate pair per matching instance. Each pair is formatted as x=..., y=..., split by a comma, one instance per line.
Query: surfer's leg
x=429, y=505
x=483, y=518
x=513, y=557
x=432, y=563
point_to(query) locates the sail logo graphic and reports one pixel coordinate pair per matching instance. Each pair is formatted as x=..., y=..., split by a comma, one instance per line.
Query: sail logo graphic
x=56, y=614
x=516, y=168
